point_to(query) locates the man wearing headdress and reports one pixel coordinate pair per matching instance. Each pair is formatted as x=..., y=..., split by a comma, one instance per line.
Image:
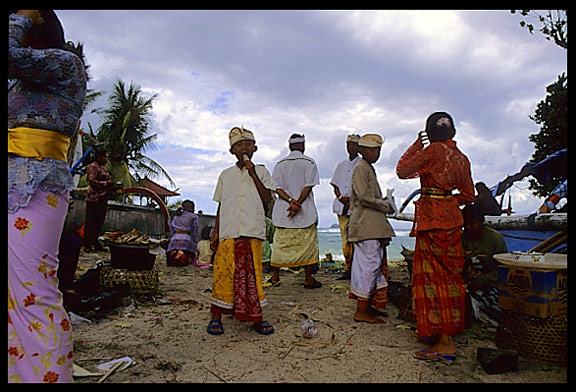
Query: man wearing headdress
x=294, y=214
x=342, y=183
x=240, y=229
x=370, y=232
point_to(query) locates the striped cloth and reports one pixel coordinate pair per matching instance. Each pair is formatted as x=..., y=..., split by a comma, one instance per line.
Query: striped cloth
x=439, y=292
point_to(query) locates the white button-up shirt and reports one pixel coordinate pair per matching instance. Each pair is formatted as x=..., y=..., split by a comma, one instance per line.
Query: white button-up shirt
x=241, y=208
x=342, y=178
x=292, y=174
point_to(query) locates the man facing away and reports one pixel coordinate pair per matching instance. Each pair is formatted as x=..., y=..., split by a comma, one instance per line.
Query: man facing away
x=294, y=215
x=342, y=184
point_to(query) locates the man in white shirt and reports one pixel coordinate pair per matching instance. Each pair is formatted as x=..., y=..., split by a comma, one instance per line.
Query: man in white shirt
x=294, y=215
x=342, y=184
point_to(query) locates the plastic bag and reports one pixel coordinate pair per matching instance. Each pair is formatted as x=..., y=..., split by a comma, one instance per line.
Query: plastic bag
x=309, y=329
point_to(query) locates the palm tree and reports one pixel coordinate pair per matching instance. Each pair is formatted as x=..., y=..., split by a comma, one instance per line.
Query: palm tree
x=125, y=135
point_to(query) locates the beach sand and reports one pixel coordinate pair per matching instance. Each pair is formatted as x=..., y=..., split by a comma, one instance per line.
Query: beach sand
x=168, y=341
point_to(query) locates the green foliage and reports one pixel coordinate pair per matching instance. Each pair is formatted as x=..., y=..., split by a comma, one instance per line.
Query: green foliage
x=552, y=115
x=125, y=131
x=554, y=25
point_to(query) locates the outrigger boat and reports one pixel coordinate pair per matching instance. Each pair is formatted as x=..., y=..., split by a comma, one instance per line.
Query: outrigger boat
x=544, y=232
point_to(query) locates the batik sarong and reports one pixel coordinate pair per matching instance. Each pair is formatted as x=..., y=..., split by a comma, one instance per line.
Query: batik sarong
x=295, y=247
x=439, y=292
x=369, y=273
x=237, y=279
x=39, y=333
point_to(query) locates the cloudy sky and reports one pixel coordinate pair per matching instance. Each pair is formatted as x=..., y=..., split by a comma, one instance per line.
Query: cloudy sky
x=325, y=74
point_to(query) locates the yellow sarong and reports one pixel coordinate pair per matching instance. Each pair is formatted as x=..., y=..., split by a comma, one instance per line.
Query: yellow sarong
x=295, y=247
x=223, y=273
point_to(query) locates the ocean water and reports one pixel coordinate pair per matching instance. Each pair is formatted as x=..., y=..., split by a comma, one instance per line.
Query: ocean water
x=329, y=241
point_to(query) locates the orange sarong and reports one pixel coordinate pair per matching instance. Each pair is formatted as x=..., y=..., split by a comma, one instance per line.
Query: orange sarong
x=438, y=290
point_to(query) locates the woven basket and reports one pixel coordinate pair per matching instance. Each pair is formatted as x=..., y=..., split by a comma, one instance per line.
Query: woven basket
x=544, y=339
x=140, y=282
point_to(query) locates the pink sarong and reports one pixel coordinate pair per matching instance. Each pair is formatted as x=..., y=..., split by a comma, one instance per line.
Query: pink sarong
x=39, y=331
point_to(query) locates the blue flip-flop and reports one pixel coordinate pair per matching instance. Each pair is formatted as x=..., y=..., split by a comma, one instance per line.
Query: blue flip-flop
x=264, y=328
x=215, y=327
x=427, y=355
x=424, y=355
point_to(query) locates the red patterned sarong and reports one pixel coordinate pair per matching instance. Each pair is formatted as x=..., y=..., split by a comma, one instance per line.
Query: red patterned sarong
x=246, y=304
x=438, y=289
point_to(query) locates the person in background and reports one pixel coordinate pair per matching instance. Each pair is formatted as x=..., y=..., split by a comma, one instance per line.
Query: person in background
x=370, y=232
x=480, y=244
x=342, y=183
x=267, y=244
x=182, y=249
x=240, y=229
x=44, y=106
x=294, y=214
x=100, y=188
x=438, y=289
x=205, y=253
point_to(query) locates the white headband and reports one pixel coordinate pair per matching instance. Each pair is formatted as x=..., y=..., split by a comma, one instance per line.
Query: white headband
x=295, y=140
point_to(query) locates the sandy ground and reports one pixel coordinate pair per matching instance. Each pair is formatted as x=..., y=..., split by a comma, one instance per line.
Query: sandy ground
x=167, y=339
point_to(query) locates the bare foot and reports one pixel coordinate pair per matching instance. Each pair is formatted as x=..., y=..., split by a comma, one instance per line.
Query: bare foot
x=366, y=317
x=444, y=346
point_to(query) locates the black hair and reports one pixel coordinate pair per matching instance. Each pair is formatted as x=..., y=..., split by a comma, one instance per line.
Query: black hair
x=440, y=131
x=188, y=201
x=49, y=34
x=99, y=152
x=472, y=213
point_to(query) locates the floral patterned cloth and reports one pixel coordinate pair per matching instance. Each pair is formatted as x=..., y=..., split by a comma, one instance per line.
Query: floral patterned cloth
x=49, y=95
x=438, y=289
x=39, y=331
x=441, y=166
x=98, y=178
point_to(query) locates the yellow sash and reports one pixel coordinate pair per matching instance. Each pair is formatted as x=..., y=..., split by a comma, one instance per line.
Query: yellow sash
x=37, y=143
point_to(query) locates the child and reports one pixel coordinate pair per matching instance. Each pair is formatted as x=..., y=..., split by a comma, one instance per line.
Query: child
x=242, y=191
x=370, y=232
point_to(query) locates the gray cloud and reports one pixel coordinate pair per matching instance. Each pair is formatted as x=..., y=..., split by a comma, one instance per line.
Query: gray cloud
x=326, y=74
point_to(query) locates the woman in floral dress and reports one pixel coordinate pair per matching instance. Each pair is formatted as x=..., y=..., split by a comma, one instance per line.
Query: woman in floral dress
x=44, y=107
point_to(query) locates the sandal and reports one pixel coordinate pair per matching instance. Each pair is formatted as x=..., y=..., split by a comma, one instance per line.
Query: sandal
x=429, y=355
x=264, y=328
x=215, y=327
x=314, y=285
